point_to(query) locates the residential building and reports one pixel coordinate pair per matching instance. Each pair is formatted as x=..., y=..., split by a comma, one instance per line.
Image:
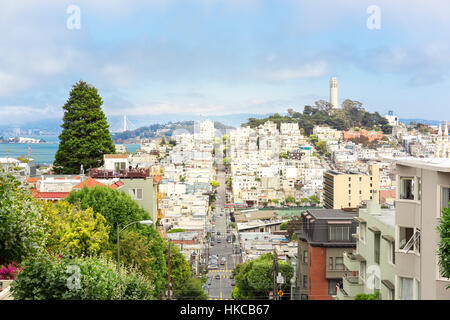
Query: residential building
x=323, y=236
x=372, y=263
x=423, y=192
x=349, y=190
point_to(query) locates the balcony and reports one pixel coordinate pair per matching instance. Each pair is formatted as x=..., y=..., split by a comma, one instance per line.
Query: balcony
x=342, y=295
x=122, y=174
x=351, y=261
x=352, y=285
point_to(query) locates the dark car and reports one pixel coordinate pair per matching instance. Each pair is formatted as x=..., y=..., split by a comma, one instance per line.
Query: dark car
x=218, y=233
x=217, y=276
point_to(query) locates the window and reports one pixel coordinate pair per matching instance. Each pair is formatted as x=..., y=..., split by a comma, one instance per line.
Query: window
x=406, y=288
x=339, y=263
x=391, y=252
x=377, y=247
x=362, y=232
x=445, y=199
x=419, y=189
x=350, y=179
x=305, y=256
x=332, y=286
x=405, y=234
x=305, y=281
x=409, y=239
x=339, y=233
x=407, y=188
x=360, y=179
x=330, y=263
x=349, y=191
x=136, y=194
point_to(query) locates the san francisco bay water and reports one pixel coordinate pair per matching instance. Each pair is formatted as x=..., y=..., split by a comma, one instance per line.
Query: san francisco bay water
x=42, y=153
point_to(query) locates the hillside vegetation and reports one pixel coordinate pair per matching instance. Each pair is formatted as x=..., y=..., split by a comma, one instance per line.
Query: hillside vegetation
x=351, y=114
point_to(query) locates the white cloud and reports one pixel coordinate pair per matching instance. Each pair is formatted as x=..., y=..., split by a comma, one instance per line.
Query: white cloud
x=309, y=70
x=11, y=84
x=10, y=115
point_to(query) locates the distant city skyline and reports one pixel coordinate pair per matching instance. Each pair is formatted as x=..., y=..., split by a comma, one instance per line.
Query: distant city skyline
x=223, y=57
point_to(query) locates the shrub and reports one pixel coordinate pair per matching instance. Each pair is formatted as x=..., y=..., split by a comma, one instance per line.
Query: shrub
x=8, y=272
x=48, y=277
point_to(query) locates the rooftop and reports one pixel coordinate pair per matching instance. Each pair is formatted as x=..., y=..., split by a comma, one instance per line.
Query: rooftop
x=116, y=156
x=436, y=164
x=331, y=214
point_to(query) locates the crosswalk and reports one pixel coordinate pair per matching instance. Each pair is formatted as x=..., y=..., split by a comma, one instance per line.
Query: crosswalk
x=221, y=271
x=220, y=299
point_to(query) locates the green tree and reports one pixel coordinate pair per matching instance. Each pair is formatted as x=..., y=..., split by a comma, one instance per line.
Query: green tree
x=190, y=290
x=85, y=137
x=314, y=199
x=444, y=243
x=304, y=201
x=136, y=252
x=254, y=278
x=283, y=225
x=75, y=231
x=214, y=183
x=22, y=231
x=290, y=199
x=119, y=208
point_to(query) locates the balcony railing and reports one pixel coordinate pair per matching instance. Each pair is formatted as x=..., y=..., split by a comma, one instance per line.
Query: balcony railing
x=123, y=174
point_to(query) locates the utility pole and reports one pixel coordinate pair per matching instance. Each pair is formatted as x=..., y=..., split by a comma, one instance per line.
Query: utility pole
x=169, y=285
x=275, y=273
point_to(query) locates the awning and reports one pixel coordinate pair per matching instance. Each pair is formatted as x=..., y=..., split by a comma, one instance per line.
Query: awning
x=388, y=284
x=388, y=238
x=359, y=257
x=374, y=229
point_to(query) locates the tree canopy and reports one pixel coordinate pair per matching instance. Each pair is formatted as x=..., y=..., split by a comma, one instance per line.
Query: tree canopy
x=85, y=137
x=254, y=279
x=352, y=114
x=22, y=231
x=444, y=243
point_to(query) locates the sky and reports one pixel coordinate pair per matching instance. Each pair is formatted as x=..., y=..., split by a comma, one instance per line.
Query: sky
x=219, y=57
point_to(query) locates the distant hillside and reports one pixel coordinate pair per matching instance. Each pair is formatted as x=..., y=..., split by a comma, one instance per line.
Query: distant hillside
x=159, y=130
x=429, y=122
x=352, y=114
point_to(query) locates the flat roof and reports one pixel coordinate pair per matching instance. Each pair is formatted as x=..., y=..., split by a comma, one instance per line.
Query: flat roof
x=331, y=214
x=436, y=164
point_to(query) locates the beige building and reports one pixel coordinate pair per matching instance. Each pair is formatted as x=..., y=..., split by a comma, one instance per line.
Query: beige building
x=423, y=191
x=349, y=190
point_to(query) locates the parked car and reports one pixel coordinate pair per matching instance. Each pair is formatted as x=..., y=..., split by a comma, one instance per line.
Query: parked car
x=233, y=283
x=217, y=276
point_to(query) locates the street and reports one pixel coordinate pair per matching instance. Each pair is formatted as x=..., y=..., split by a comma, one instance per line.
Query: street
x=220, y=288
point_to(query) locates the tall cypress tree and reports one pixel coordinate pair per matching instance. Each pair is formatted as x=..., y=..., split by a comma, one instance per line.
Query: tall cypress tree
x=85, y=137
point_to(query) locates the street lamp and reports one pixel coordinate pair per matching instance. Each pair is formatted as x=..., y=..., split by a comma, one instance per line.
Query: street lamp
x=146, y=222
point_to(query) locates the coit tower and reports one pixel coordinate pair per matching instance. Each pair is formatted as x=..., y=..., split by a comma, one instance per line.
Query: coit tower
x=333, y=92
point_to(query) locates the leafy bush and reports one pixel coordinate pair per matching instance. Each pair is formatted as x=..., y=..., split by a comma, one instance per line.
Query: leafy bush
x=444, y=243
x=47, y=277
x=21, y=228
x=374, y=296
x=8, y=272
